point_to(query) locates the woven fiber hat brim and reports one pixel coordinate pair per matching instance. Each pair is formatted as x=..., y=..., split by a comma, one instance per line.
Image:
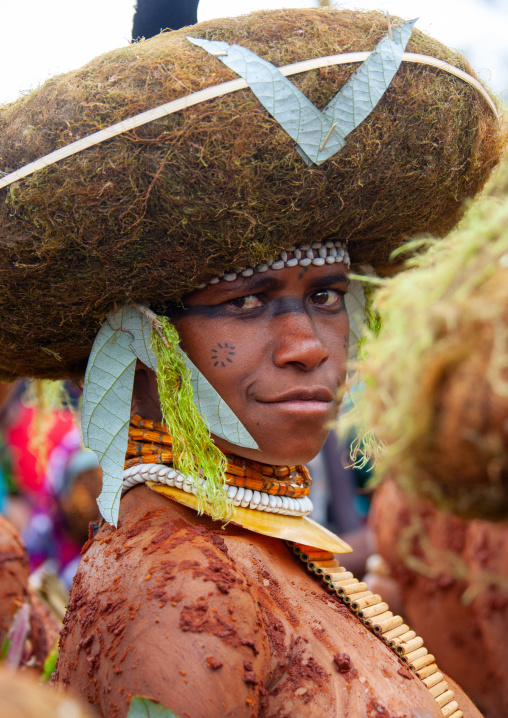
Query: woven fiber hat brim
x=150, y=214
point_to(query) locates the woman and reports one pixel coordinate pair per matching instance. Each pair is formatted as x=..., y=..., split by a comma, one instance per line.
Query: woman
x=213, y=228
x=227, y=615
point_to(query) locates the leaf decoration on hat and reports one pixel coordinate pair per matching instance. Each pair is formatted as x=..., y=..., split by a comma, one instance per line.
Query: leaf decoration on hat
x=219, y=418
x=355, y=306
x=318, y=135
x=195, y=454
x=107, y=398
x=130, y=319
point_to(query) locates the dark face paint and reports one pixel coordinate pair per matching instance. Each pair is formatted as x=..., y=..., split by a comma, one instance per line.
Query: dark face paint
x=284, y=337
x=277, y=305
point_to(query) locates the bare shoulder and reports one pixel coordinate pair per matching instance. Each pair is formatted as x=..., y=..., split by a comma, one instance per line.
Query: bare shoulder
x=158, y=608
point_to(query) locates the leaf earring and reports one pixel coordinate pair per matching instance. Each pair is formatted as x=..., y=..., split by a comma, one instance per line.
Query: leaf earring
x=107, y=397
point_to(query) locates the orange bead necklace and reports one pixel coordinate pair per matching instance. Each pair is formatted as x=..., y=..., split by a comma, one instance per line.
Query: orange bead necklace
x=150, y=443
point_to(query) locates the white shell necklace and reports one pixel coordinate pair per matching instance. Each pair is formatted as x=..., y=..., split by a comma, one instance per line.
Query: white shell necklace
x=246, y=498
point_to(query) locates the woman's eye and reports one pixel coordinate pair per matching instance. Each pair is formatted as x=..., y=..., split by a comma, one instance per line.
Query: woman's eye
x=326, y=297
x=251, y=301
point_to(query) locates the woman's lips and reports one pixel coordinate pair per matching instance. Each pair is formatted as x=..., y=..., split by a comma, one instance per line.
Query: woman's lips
x=318, y=393
x=315, y=401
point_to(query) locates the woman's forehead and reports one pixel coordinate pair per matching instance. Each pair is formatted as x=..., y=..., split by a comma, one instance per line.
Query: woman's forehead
x=295, y=279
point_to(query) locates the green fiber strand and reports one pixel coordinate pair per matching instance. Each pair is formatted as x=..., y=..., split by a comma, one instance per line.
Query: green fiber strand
x=372, y=316
x=195, y=454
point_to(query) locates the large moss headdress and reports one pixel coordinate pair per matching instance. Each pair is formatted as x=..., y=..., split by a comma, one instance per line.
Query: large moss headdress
x=154, y=168
x=151, y=213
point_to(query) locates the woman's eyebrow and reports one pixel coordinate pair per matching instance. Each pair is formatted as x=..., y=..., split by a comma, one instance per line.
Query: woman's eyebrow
x=254, y=283
x=264, y=282
x=327, y=279
x=271, y=283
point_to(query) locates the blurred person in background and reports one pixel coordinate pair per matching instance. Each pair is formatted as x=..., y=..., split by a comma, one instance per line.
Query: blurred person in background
x=53, y=481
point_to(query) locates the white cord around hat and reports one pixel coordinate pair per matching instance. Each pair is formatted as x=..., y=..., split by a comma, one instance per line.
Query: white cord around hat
x=220, y=90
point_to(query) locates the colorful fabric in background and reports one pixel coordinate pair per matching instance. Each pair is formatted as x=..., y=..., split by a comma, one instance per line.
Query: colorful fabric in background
x=44, y=483
x=47, y=536
x=29, y=475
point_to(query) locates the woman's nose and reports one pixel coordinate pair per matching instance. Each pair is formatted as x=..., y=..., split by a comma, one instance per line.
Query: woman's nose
x=297, y=343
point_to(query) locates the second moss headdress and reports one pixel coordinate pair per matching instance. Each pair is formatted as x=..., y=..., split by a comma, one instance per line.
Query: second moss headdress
x=436, y=377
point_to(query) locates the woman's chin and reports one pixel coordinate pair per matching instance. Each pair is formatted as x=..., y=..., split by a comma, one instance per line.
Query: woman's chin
x=283, y=453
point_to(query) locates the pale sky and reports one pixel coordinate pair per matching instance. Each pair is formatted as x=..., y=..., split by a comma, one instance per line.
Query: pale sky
x=41, y=38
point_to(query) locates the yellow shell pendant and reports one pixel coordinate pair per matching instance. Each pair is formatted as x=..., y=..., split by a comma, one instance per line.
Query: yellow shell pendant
x=300, y=529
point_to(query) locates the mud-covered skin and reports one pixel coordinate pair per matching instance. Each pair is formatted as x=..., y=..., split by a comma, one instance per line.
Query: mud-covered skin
x=466, y=636
x=217, y=623
x=14, y=591
x=13, y=575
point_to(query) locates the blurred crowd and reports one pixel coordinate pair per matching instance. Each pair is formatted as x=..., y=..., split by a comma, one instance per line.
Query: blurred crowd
x=48, y=480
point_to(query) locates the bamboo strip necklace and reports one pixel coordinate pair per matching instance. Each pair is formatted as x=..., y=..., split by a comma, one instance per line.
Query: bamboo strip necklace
x=374, y=613
x=150, y=457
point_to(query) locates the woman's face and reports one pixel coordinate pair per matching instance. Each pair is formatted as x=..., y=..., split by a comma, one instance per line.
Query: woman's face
x=274, y=346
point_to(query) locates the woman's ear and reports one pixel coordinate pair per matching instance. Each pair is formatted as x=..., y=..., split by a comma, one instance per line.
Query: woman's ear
x=145, y=395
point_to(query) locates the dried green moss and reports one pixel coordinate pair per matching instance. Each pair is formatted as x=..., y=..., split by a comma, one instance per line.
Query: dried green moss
x=195, y=454
x=436, y=376
x=150, y=214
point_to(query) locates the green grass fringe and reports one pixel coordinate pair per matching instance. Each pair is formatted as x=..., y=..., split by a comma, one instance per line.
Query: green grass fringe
x=419, y=311
x=195, y=454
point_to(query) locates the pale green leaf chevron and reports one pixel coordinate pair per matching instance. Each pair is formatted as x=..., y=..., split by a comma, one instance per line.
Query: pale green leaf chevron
x=361, y=93
x=318, y=135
